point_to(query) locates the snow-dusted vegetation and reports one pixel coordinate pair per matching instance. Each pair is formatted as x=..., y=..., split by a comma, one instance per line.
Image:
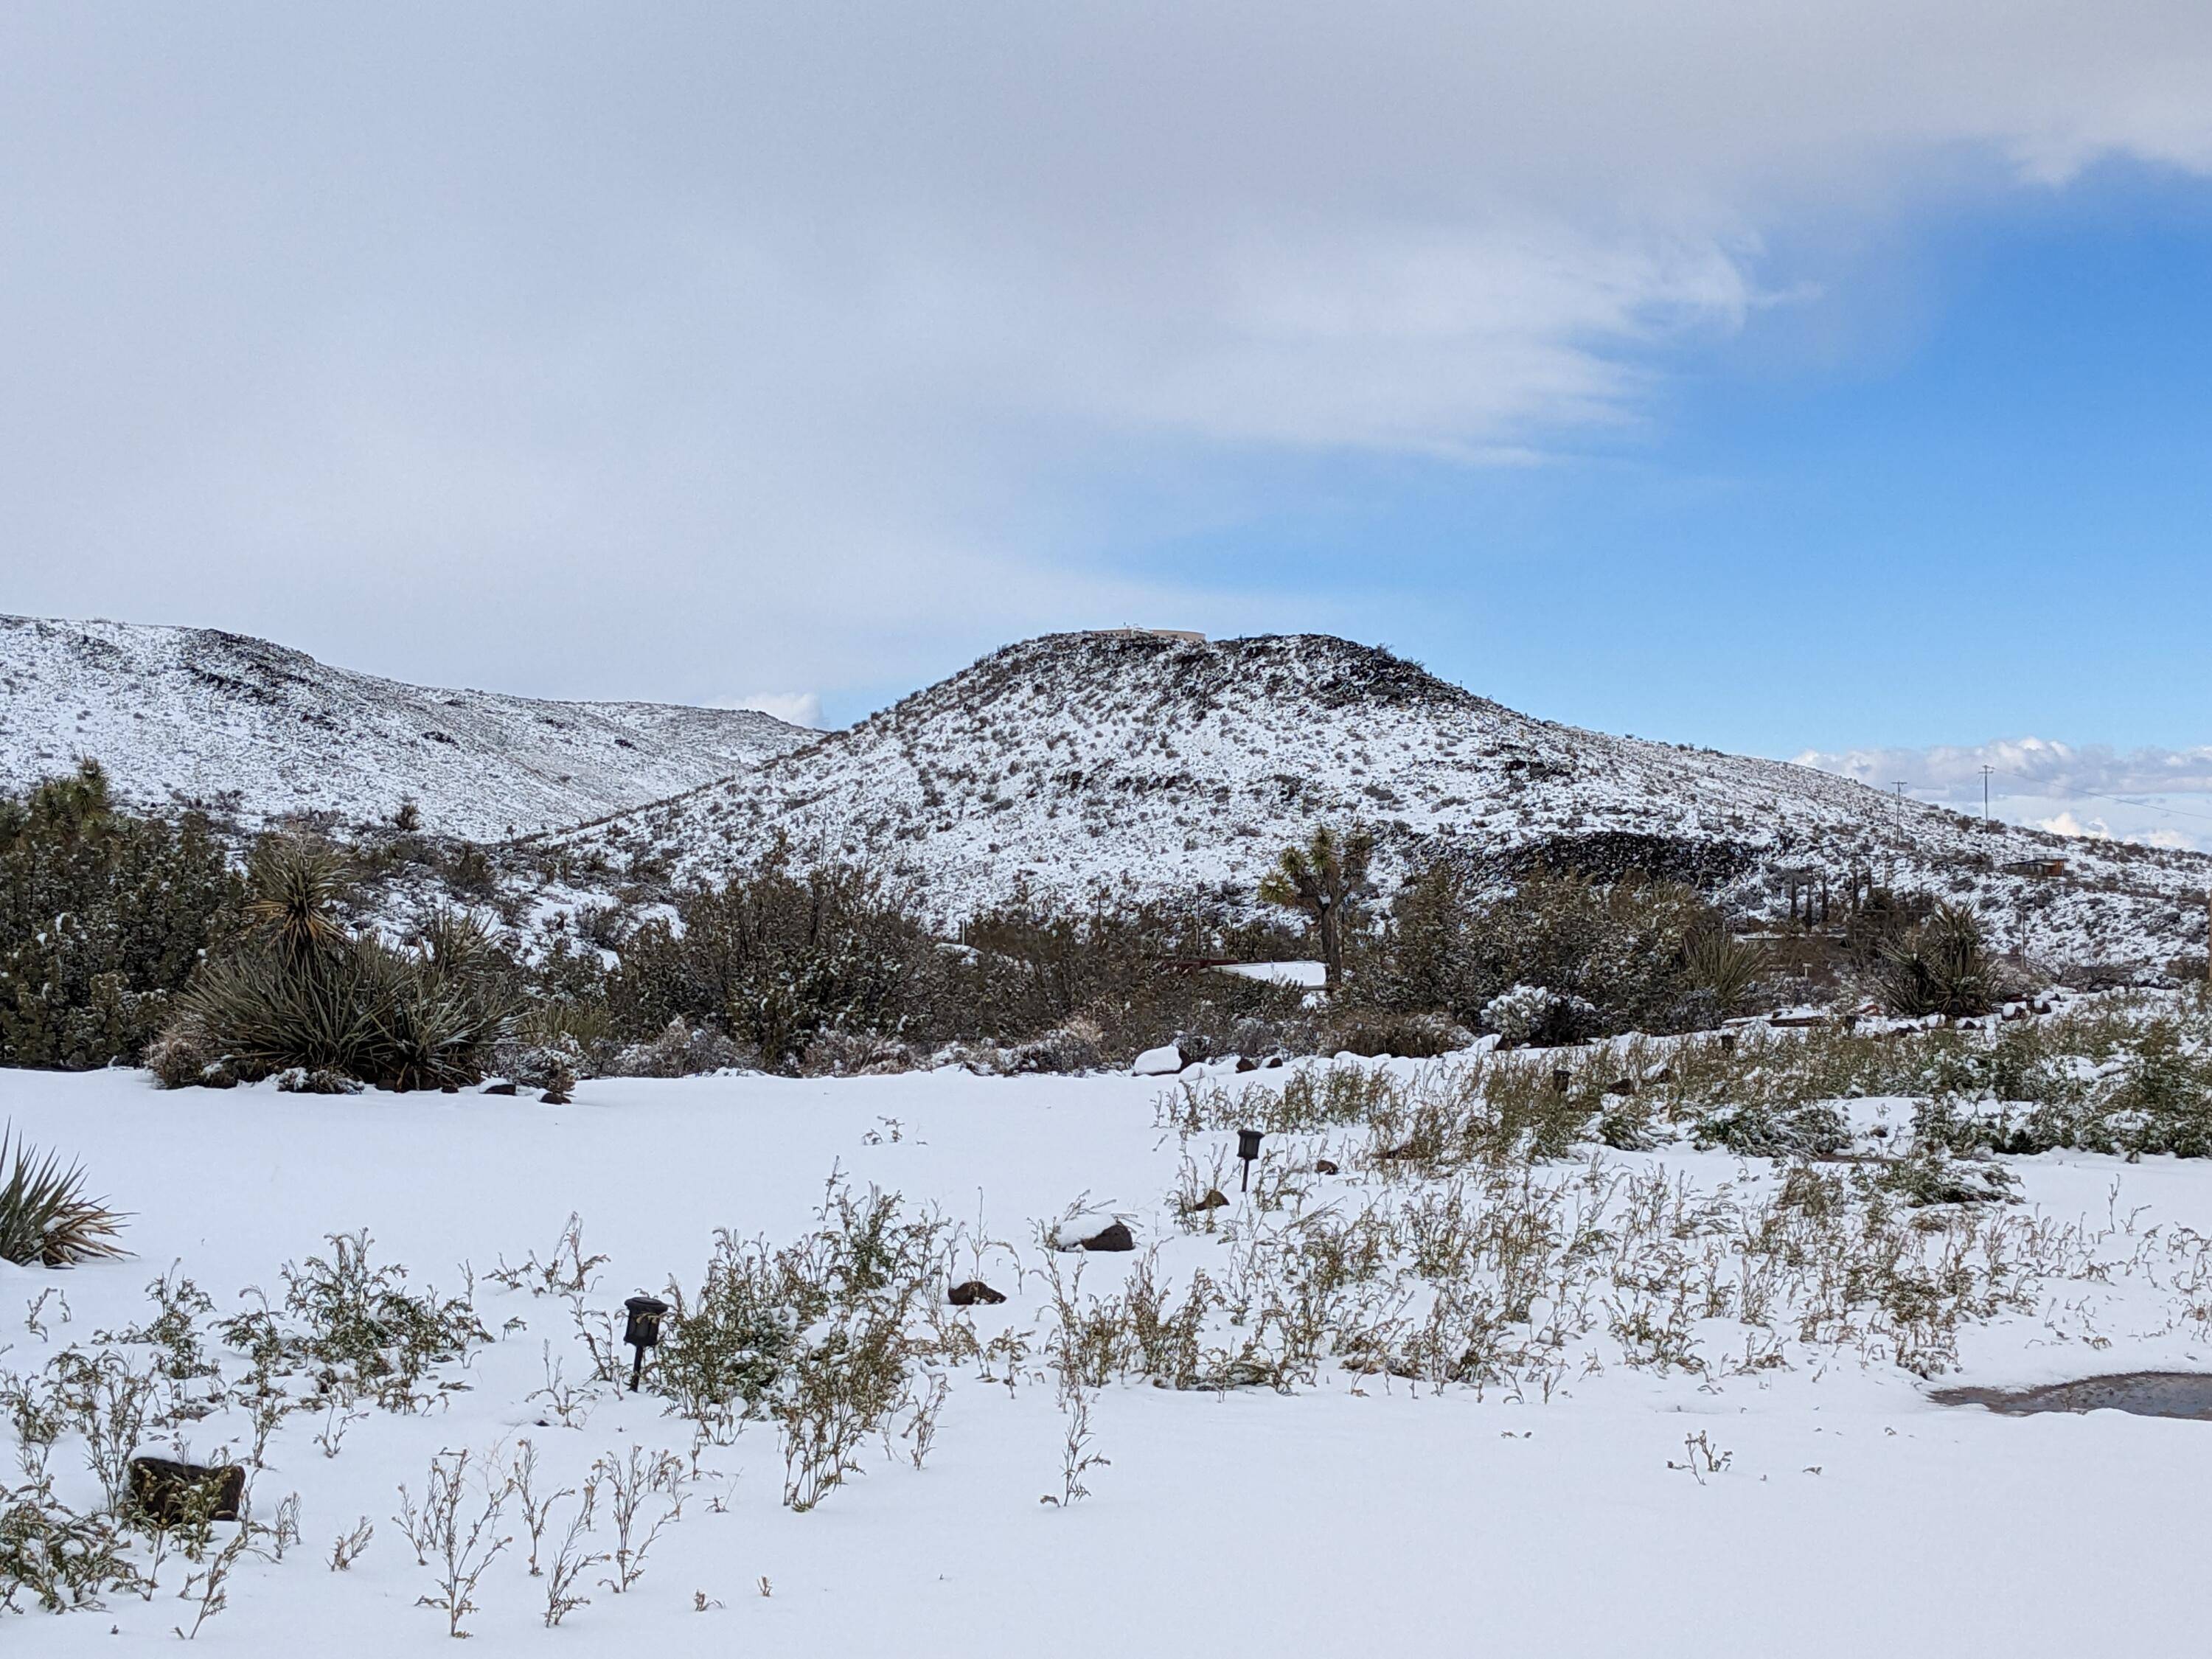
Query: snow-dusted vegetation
x=1107, y=770
x=1703, y=1297
x=1240, y=1146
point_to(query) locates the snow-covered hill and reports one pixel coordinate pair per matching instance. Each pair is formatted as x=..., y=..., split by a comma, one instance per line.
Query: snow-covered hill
x=259, y=730
x=1104, y=766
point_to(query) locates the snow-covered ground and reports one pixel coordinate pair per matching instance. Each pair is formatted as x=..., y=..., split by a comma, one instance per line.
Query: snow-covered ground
x=1362, y=1514
x=196, y=715
x=1088, y=769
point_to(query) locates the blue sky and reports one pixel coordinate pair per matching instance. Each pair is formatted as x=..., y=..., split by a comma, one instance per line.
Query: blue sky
x=1981, y=506
x=1818, y=380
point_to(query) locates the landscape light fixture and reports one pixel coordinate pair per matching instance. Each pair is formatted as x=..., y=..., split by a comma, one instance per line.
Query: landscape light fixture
x=642, y=1332
x=1247, y=1148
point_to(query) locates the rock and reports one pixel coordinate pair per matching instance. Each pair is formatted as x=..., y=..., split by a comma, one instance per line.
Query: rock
x=971, y=1293
x=1246, y=1063
x=1213, y=1200
x=500, y=1087
x=169, y=1493
x=1115, y=1237
x=1163, y=1061
x=1323, y=1166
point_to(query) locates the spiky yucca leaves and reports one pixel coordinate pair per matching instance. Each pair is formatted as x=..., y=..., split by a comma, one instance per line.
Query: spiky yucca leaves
x=1942, y=966
x=44, y=1217
x=1723, y=968
x=298, y=991
x=294, y=887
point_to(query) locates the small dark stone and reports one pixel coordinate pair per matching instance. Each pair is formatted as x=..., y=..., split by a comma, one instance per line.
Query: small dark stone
x=972, y=1292
x=1246, y=1063
x=499, y=1088
x=1622, y=1086
x=1324, y=1166
x=169, y=1493
x=556, y=1096
x=1114, y=1237
x=1213, y=1200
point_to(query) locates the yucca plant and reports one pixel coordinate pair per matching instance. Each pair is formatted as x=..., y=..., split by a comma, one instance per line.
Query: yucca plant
x=298, y=991
x=46, y=1220
x=1942, y=966
x=294, y=887
x=1724, y=967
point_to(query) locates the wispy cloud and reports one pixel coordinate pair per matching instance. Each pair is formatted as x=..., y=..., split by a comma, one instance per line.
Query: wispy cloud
x=817, y=333
x=2024, y=766
x=2157, y=797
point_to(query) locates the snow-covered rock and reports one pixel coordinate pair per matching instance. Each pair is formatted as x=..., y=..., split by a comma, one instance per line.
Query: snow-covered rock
x=1163, y=1061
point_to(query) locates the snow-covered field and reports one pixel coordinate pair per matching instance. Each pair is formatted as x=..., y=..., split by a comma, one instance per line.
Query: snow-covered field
x=1364, y=1513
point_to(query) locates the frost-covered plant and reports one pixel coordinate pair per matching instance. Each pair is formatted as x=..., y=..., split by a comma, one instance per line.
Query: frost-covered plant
x=1532, y=1014
x=644, y=1493
x=103, y=915
x=297, y=992
x=822, y=1335
x=46, y=1220
x=54, y=1559
x=1942, y=967
x=358, y=1320
x=454, y=1532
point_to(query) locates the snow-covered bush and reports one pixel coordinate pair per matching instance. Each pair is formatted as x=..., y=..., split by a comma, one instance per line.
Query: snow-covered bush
x=102, y=916
x=296, y=990
x=1532, y=1014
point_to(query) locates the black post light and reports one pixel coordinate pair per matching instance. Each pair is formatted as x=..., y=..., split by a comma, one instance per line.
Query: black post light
x=642, y=1332
x=1247, y=1148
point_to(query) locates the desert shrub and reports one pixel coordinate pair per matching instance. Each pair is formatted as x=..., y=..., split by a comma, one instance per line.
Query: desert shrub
x=1619, y=950
x=103, y=915
x=837, y=1053
x=1539, y=1016
x=1773, y=1128
x=1100, y=988
x=1941, y=967
x=1722, y=969
x=294, y=990
x=355, y=1323
x=823, y=1334
x=1372, y=1031
x=777, y=958
x=57, y=1558
x=46, y=1218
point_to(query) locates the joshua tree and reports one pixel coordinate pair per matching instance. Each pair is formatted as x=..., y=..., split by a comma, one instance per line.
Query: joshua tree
x=1326, y=879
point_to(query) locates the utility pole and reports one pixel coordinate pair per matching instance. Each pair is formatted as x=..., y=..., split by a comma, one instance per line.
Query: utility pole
x=1986, y=770
x=1899, y=786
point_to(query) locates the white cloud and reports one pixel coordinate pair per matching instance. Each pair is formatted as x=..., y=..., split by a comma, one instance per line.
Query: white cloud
x=823, y=328
x=797, y=708
x=2024, y=766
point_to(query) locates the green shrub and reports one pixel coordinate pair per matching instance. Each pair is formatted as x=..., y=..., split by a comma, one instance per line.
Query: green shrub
x=1941, y=967
x=777, y=958
x=103, y=915
x=294, y=990
x=46, y=1220
x=1639, y=952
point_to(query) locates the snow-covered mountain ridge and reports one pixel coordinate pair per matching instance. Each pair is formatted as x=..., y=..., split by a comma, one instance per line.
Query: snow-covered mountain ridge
x=1104, y=767
x=188, y=715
